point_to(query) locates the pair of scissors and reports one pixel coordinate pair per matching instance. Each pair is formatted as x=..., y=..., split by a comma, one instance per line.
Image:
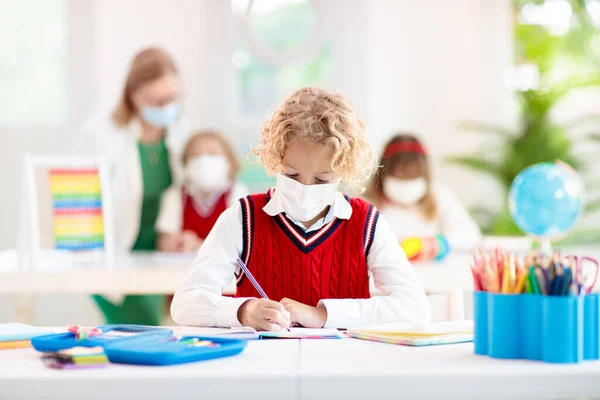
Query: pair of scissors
x=584, y=276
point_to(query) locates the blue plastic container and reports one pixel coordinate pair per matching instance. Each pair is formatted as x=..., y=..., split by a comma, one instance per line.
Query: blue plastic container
x=156, y=350
x=562, y=329
x=531, y=326
x=504, y=325
x=591, y=328
x=110, y=334
x=556, y=329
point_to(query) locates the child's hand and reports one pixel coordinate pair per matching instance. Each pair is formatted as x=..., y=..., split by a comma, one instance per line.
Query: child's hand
x=168, y=242
x=307, y=316
x=189, y=242
x=264, y=315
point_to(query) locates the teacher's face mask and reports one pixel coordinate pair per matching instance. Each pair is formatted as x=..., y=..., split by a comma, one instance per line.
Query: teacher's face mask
x=161, y=117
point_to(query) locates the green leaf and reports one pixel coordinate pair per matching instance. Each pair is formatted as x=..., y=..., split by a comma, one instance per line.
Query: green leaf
x=575, y=82
x=477, y=164
x=480, y=127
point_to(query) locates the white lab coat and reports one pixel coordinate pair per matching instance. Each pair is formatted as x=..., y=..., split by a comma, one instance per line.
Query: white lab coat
x=453, y=221
x=119, y=145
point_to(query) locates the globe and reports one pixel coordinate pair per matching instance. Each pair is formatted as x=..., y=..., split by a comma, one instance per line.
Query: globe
x=545, y=199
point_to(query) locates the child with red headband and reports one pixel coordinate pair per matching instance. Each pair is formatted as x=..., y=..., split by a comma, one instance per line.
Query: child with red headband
x=427, y=218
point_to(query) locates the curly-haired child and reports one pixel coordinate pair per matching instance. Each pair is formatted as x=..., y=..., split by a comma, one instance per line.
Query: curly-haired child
x=310, y=247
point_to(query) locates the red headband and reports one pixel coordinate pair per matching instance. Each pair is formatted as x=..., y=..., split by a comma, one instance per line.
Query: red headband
x=404, y=147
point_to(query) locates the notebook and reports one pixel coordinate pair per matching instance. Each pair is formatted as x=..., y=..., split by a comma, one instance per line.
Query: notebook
x=303, y=333
x=15, y=331
x=242, y=333
x=434, y=333
x=249, y=333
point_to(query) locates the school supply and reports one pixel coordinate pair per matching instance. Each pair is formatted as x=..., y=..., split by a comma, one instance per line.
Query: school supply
x=14, y=331
x=170, y=350
x=536, y=308
x=240, y=333
x=426, y=248
x=76, y=358
x=251, y=278
x=109, y=334
x=501, y=272
x=17, y=344
x=303, y=333
x=82, y=333
x=448, y=332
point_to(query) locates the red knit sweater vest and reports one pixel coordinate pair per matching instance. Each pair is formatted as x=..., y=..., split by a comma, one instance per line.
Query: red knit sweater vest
x=193, y=221
x=330, y=263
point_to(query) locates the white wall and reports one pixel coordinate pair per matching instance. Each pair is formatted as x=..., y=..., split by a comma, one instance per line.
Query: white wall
x=434, y=63
x=124, y=27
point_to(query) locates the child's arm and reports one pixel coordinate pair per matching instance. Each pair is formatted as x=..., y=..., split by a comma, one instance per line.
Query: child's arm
x=199, y=301
x=403, y=297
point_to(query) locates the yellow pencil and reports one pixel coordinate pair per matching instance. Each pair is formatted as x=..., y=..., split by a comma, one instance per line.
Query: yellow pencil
x=521, y=281
x=506, y=279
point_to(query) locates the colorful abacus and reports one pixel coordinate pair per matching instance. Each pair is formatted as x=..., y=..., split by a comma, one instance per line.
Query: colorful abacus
x=77, y=204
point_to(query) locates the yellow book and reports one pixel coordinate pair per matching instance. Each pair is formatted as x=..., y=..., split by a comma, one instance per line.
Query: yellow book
x=417, y=335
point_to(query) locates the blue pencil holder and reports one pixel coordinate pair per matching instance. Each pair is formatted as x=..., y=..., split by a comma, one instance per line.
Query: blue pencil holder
x=556, y=329
x=591, y=328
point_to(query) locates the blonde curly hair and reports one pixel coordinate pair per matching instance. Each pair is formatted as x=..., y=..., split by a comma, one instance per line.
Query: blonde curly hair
x=323, y=118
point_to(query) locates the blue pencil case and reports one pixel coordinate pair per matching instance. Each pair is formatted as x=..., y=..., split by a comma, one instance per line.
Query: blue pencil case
x=170, y=350
x=110, y=334
x=556, y=329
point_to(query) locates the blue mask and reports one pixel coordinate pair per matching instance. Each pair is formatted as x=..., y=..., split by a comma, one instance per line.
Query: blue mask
x=161, y=117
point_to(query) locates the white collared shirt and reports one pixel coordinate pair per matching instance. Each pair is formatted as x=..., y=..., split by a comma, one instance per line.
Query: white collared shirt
x=199, y=301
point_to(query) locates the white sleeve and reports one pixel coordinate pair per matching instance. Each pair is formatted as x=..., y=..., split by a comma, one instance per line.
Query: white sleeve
x=86, y=140
x=461, y=231
x=403, y=298
x=198, y=301
x=170, y=214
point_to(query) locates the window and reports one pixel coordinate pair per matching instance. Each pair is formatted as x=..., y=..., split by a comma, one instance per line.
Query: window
x=279, y=46
x=33, y=62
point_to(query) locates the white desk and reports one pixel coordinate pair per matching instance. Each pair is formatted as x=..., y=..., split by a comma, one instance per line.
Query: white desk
x=312, y=369
x=162, y=273
x=353, y=369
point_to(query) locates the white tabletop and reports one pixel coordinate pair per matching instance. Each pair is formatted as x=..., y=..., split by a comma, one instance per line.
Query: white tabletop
x=162, y=273
x=265, y=370
x=310, y=369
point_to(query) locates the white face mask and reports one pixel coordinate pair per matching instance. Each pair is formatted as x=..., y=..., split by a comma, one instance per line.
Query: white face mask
x=303, y=202
x=405, y=192
x=207, y=173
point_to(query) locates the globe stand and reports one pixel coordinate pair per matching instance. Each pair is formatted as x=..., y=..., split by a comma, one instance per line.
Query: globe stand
x=546, y=246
